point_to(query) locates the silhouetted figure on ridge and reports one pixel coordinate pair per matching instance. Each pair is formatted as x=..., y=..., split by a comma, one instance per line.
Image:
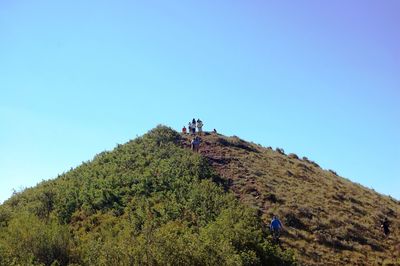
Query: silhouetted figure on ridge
x=193, y=126
x=190, y=127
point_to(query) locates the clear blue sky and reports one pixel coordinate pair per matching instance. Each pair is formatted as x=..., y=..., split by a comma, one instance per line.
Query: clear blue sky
x=317, y=78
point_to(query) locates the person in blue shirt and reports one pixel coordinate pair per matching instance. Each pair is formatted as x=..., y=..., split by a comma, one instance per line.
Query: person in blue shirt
x=276, y=227
x=195, y=144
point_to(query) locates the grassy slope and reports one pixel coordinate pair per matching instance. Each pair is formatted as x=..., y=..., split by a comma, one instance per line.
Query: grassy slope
x=329, y=220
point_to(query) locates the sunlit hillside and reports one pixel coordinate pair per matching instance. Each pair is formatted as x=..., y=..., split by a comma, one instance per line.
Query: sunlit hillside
x=328, y=219
x=153, y=201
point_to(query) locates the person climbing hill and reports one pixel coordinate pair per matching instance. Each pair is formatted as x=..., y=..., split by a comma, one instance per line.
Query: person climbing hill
x=276, y=228
x=385, y=227
x=195, y=144
x=184, y=130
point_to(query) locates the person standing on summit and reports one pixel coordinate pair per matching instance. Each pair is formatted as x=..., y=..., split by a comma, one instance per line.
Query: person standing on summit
x=193, y=126
x=199, y=126
x=190, y=128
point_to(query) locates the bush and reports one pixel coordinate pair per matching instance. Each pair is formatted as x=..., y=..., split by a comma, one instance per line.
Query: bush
x=30, y=240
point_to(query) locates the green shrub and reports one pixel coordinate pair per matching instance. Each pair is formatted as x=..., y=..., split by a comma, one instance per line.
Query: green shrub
x=147, y=202
x=27, y=239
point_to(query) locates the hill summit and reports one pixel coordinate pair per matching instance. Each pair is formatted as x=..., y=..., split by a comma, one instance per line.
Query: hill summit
x=154, y=201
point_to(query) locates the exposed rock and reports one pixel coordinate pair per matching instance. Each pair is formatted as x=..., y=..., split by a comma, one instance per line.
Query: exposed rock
x=293, y=156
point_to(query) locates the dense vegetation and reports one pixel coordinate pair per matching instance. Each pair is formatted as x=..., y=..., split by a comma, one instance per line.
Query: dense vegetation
x=148, y=202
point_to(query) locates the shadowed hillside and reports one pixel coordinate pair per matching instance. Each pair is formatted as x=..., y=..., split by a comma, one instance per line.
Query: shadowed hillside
x=329, y=220
x=152, y=201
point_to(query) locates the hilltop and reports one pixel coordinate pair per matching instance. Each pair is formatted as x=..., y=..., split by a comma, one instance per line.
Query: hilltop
x=154, y=201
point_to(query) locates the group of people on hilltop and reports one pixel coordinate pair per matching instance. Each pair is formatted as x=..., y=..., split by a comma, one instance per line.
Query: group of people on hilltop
x=195, y=143
x=192, y=127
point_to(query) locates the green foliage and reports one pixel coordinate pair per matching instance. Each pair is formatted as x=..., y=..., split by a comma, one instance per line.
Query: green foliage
x=147, y=202
x=29, y=240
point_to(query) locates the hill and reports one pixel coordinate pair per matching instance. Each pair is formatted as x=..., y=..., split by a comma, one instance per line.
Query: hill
x=147, y=202
x=153, y=201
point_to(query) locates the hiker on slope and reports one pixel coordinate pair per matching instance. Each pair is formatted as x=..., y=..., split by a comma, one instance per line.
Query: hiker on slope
x=385, y=227
x=276, y=228
x=195, y=144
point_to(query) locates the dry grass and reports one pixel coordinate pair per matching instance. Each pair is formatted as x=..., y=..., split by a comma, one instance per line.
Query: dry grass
x=328, y=219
